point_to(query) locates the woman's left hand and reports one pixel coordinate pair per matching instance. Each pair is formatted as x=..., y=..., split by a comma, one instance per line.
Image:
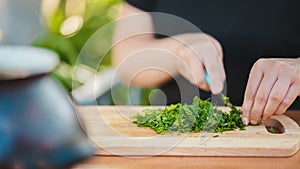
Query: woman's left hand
x=272, y=87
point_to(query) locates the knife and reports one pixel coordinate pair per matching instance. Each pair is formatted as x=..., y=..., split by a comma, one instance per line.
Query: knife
x=207, y=79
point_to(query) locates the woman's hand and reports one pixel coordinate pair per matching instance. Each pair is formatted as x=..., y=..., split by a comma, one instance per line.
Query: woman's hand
x=201, y=52
x=272, y=87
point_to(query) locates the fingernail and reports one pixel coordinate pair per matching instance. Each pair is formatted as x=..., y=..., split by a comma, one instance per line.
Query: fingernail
x=245, y=120
x=217, y=89
x=253, y=122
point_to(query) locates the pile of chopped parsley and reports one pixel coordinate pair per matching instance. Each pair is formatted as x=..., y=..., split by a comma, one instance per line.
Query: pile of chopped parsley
x=201, y=115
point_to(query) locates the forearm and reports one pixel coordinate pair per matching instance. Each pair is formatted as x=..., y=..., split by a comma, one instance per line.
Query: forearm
x=145, y=61
x=141, y=59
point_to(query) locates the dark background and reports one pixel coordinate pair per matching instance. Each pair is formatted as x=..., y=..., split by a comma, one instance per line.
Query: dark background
x=247, y=30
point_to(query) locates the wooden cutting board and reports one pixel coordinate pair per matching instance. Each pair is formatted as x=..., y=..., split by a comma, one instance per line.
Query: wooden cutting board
x=113, y=133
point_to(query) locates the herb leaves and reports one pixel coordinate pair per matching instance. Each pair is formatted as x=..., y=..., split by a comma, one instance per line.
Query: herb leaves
x=201, y=115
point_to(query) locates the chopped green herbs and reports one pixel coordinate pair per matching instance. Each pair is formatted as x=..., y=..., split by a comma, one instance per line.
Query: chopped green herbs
x=201, y=115
x=272, y=130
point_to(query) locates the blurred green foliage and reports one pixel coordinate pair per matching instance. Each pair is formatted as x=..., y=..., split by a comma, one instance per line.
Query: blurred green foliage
x=97, y=13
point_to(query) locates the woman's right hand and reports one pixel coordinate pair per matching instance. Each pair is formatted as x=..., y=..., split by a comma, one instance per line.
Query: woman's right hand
x=201, y=53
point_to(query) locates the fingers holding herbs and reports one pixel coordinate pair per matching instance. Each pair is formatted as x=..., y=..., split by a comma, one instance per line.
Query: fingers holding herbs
x=272, y=87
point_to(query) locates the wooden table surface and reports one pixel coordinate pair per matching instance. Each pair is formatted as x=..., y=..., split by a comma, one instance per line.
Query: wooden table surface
x=104, y=162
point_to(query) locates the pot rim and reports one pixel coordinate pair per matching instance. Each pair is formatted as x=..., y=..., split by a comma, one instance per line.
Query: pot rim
x=17, y=62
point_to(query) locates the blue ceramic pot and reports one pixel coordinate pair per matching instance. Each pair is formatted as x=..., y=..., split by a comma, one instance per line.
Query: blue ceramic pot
x=38, y=124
